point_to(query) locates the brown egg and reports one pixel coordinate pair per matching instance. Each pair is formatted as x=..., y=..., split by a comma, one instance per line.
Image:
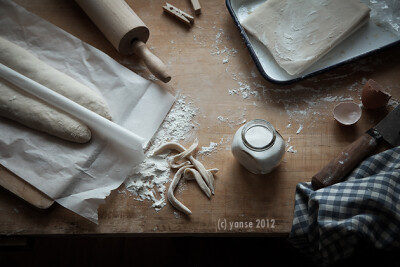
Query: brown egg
x=373, y=95
x=347, y=113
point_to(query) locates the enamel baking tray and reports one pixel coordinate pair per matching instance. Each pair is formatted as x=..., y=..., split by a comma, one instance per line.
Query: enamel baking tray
x=367, y=40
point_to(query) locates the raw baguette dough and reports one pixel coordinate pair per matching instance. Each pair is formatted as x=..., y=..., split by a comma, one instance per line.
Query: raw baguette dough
x=299, y=32
x=63, y=126
x=15, y=104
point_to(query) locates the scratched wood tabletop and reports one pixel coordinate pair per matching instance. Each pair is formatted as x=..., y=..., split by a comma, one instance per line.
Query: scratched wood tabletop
x=211, y=66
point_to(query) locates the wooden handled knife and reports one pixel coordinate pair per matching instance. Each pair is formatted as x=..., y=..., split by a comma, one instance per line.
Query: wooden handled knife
x=387, y=129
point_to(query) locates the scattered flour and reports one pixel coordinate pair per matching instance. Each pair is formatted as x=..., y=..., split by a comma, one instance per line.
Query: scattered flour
x=233, y=92
x=218, y=51
x=301, y=103
x=334, y=99
x=245, y=90
x=218, y=36
x=393, y=102
x=242, y=12
x=299, y=129
x=385, y=13
x=234, y=122
x=148, y=180
x=206, y=150
x=291, y=150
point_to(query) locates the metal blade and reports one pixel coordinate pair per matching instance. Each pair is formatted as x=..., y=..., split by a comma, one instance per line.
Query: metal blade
x=389, y=127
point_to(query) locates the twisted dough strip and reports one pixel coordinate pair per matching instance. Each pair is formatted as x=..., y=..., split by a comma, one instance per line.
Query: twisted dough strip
x=172, y=146
x=186, y=152
x=179, y=165
x=207, y=176
x=169, y=146
x=190, y=174
x=176, y=203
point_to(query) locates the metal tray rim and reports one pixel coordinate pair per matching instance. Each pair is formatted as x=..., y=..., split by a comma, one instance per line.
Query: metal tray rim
x=300, y=78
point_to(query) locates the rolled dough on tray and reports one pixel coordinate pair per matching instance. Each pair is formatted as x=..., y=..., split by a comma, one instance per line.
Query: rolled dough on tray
x=300, y=32
x=30, y=111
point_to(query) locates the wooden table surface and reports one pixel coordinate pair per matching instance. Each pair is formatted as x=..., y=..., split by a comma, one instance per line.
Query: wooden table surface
x=211, y=66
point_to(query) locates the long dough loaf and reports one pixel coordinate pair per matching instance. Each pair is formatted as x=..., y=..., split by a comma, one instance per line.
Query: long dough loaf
x=15, y=104
x=32, y=112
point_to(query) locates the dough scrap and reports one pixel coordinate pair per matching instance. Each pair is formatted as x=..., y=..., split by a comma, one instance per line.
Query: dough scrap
x=190, y=172
x=33, y=112
x=172, y=199
x=189, y=168
x=299, y=32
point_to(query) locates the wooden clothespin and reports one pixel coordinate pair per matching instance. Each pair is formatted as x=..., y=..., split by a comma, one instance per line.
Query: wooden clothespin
x=196, y=6
x=179, y=14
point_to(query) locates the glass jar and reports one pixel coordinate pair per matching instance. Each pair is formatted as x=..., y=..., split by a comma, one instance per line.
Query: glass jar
x=258, y=147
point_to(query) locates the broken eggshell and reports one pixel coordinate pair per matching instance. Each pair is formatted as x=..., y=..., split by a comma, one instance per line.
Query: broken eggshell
x=373, y=95
x=347, y=113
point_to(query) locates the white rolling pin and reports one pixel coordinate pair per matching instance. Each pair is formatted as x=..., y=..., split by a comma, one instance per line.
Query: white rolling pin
x=125, y=30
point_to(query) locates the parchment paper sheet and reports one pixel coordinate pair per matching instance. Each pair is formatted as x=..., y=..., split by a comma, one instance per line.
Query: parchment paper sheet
x=78, y=176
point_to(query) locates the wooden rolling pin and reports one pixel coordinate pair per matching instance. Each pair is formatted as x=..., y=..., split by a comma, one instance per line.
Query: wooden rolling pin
x=125, y=30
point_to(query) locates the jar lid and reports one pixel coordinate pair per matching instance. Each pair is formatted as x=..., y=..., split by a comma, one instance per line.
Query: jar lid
x=258, y=135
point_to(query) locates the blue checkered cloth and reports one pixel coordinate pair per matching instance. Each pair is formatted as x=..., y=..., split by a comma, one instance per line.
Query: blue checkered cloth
x=330, y=222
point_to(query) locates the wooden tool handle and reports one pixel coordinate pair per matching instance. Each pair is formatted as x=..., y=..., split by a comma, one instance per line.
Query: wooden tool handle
x=23, y=189
x=339, y=167
x=153, y=63
x=125, y=30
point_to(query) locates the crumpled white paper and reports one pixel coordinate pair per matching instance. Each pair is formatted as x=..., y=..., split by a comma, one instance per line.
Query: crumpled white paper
x=78, y=176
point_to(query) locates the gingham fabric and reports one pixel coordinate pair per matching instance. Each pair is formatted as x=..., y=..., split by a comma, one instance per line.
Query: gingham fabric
x=330, y=222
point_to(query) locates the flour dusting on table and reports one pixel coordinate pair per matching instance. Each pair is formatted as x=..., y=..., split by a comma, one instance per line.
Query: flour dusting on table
x=304, y=106
x=207, y=150
x=148, y=180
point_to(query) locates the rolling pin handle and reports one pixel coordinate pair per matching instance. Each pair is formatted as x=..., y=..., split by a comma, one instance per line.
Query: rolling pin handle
x=346, y=161
x=153, y=63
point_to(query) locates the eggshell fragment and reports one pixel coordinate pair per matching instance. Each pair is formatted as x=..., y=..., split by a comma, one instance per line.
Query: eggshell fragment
x=373, y=95
x=347, y=113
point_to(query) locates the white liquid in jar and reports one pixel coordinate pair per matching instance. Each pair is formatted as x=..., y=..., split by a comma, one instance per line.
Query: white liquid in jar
x=258, y=136
x=258, y=147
